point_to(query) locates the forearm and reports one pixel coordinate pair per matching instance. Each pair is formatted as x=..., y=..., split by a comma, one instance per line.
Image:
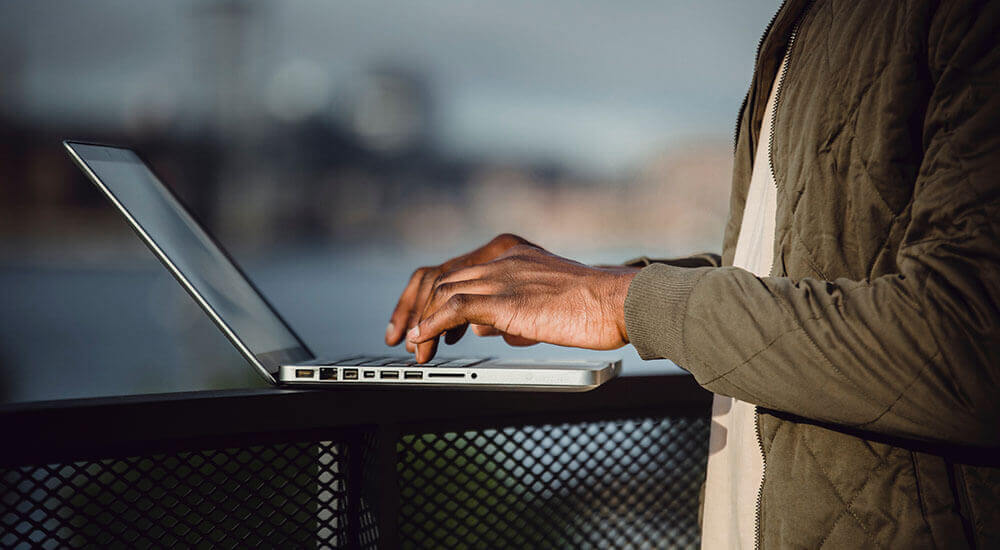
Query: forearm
x=878, y=356
x=912, y=352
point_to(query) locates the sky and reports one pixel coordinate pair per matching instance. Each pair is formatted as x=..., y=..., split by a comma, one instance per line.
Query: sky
x=598, y=84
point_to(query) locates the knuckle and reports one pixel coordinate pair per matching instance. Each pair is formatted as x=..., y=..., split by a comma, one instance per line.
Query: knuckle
x=449, y=276
x=505, y=241
x=507, y=238
x=443, y=289
x=514, y=262
x=458, y=302
x=521, y=251
x=429, y=275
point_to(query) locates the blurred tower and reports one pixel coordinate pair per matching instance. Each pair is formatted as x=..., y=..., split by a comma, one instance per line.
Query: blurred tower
x=12, y=92
x=392, y=111
x=224, y=30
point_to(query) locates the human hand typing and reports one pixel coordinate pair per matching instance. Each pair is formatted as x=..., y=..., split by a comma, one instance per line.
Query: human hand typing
x=515, y=289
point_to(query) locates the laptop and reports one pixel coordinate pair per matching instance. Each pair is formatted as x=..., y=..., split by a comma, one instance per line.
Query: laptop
x=254, y=326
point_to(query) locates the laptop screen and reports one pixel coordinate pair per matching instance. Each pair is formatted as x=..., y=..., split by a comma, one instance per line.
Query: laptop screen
x=194, y=254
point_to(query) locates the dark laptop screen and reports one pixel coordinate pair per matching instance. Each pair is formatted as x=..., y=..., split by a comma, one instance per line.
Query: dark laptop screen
x=194, y=254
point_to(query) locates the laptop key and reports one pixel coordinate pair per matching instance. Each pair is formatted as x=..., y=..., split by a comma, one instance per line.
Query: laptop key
x=467, y=362
x=345, y=358
x=380, y=362
x=352, y=362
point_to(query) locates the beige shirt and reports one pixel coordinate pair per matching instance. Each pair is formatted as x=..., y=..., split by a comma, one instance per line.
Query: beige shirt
x=735, y=459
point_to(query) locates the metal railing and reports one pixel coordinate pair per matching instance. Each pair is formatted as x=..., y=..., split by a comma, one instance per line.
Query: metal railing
x=617, y=467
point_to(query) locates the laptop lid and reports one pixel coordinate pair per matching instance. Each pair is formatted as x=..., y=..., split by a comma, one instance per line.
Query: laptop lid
x=198, y=262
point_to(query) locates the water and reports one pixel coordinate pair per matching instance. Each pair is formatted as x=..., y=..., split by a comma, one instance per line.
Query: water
x=74, y=331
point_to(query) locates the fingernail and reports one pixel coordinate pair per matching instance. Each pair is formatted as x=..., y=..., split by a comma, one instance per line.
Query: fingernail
x=390, y=329
x=413, y=334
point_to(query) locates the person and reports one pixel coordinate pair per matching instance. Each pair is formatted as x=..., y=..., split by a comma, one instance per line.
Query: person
x=850, y=328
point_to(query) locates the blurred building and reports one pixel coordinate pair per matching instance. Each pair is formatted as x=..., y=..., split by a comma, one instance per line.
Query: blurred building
x=334, y=146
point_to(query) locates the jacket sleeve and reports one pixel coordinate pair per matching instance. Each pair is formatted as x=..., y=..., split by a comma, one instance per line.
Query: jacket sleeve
x=705, y=259
x=913, y=354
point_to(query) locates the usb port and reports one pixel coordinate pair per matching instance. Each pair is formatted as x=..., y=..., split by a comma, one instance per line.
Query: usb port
x=413, y=375
x=304, y=373
x=350, y=374
x=327, y=373
x=389, y=374
x=369, y=374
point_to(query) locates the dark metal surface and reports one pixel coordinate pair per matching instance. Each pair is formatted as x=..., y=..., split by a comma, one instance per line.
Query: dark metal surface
x=359, y=468
x=118, y=426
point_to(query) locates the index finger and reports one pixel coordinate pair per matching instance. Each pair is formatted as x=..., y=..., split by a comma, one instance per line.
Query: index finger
x=401, y=315
x=460, y=309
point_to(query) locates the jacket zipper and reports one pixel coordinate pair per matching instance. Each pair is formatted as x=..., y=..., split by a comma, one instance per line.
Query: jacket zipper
x=760, y=487
x=753, y=77
x=770, y=161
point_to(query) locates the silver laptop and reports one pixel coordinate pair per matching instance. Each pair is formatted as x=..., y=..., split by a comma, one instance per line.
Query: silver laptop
x=212, y=278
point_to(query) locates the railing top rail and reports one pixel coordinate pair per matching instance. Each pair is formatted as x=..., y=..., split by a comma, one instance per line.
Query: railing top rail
x=56, y=430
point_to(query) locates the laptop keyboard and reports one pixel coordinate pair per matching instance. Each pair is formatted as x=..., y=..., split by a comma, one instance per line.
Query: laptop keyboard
x=404, y=361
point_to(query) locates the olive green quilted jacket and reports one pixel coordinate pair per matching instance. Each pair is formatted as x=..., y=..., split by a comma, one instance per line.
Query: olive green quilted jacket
x=873, y=349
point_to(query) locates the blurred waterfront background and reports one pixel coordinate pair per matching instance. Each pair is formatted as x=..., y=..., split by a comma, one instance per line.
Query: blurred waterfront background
x=335, y=146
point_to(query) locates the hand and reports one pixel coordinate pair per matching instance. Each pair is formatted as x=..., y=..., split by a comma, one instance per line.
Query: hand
x=417, y=292
x=530, y=295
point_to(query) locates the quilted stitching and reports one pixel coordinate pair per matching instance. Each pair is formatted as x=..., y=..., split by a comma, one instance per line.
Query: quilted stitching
x=847, y=502
x=916, y=377
x=876, y=150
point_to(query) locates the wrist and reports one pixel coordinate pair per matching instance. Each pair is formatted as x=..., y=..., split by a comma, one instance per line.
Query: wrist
x=620, y=281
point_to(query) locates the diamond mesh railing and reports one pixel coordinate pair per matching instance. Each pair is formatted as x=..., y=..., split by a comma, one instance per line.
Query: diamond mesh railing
x=286, y=495
x=616, y=469
x=612, y=484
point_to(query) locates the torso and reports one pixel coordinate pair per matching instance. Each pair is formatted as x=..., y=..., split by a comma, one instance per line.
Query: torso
x=735, y=460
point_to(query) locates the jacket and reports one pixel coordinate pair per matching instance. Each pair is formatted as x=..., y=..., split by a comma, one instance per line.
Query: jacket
x=872, y=352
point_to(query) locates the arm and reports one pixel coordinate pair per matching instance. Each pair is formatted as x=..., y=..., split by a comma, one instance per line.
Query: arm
x=914, y=353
